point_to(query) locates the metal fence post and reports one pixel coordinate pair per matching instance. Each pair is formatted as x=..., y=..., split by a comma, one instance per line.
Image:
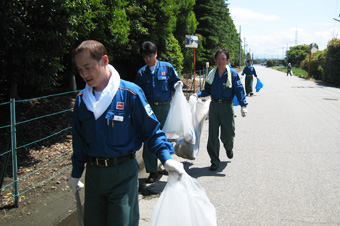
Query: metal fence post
x=14, y=153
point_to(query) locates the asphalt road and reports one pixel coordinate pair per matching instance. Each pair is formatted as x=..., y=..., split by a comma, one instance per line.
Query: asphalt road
x=286, y=165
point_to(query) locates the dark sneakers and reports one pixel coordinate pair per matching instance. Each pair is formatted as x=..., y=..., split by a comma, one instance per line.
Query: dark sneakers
x=152, y=177
x=163, y=172
x=213, y=167
x=230, y=154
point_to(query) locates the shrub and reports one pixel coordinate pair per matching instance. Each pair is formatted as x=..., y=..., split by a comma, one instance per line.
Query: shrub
x=317, y=65
x=332, y=68
x=270, y=63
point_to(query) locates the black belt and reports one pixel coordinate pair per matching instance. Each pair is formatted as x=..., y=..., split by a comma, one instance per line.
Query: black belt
x=221, y=101
x=109, y=162
x=159, y=103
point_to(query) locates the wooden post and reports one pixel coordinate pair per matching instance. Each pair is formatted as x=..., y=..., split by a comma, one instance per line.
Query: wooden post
x=194, y=71
x=310, y=57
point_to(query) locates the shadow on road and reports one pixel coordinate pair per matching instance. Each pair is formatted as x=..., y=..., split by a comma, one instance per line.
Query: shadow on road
x=196, y=172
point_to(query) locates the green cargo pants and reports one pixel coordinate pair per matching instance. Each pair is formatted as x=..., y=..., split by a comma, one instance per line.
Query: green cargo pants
x=150, y=161
x=249, y=84
x=111, y=195
x=220, y=115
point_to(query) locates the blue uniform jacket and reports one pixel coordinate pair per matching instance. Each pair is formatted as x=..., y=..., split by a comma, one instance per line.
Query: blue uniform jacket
x=218, y=89
x=160, y=85
x=249, y=70
x=120, y=130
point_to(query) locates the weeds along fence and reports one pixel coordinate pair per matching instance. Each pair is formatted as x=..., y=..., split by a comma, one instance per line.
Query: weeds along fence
x=36, y=134
x=194, y=82
x=42, y=122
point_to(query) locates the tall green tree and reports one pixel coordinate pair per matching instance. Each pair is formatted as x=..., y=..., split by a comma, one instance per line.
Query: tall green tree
x=217, y=30
x=297, y=54
x=102, y=20
x=186, y=24
x=38, y=37
x=151, y=20
x=32, y=36
x=332, y=70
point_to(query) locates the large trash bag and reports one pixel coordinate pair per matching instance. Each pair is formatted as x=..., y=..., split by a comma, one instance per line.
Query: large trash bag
x=199, y=111
x=178, y=124
x=259, y=85
x=183, y=203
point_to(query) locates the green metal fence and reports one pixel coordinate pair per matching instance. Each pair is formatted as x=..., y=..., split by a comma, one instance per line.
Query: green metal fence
x=14, y=149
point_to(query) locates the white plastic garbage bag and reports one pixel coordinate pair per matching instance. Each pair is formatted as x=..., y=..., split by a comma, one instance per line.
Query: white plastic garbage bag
x=183, y=203
x=199, y=111
x=178, y=124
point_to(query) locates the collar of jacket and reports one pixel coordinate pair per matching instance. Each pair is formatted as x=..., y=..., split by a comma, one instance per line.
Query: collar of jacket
x=211, y=76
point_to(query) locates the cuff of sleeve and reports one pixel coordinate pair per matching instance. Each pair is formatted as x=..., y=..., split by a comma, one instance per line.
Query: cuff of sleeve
x=77, y=172
x=165, y=156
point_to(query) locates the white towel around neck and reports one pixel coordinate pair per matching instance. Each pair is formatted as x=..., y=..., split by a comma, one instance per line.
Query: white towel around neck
x=108, y=93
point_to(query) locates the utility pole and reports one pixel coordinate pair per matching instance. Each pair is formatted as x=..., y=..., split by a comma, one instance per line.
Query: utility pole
x=287, y=54
x=296, y=37
x=245, y=45
x=240, y=47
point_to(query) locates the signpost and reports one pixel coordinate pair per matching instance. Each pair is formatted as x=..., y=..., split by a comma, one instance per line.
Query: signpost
x=191, y=41
x=313, y=48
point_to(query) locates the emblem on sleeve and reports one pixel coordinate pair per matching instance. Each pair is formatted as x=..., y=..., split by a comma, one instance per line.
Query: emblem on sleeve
x=148, y=109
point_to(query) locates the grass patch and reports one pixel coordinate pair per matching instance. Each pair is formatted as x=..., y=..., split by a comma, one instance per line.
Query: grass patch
x=296, y=71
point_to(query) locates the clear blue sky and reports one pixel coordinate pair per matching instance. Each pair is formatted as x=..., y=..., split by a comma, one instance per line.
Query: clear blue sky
x=269, y=27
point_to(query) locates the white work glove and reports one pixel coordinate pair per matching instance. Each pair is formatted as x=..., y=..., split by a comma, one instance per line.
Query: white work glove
x=244, y=111
x=178, y=83
x=75, y=184
x=194, y=96
x=173, y=165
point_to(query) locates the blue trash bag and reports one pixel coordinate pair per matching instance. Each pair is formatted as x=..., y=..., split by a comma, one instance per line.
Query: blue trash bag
x=259, y=85
x=235, y=101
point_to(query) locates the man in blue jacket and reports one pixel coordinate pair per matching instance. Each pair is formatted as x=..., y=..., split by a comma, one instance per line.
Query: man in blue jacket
x=222, y=84
x=249, y=70
x=158, y=80
x=110, y=121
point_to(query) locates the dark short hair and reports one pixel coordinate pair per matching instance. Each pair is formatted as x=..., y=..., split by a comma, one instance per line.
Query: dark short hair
x=94, y=48
x=225, y=51
x=148, y=48
x=249, y=61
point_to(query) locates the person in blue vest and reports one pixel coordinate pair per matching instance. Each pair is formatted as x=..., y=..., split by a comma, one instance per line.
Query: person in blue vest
x=110, y=121
x=249, y=70
x=222, y=84
x=158, y=80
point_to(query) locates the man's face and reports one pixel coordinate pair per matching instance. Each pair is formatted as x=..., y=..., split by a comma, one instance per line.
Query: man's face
x=92, y=71
x=150, y=59
x=221, y=61
x=249, y=63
